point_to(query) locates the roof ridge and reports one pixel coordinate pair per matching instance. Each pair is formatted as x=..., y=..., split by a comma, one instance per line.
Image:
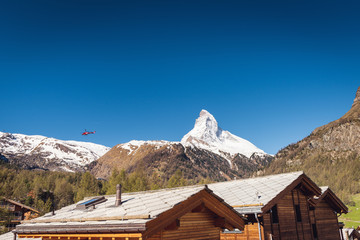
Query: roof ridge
x=260, y=177
x=200, y=186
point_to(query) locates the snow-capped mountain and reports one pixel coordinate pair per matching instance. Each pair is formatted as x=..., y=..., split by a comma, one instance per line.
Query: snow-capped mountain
x=206, y=151
x=207, y=135
x=49, y=153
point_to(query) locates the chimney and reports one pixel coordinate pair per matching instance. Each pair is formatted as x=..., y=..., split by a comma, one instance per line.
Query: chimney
x=118, y=195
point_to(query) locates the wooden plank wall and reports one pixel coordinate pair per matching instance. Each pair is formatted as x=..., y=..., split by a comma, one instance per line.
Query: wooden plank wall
x=326, y=222
x=251, y=232
x=193, y=225
x=288, y=227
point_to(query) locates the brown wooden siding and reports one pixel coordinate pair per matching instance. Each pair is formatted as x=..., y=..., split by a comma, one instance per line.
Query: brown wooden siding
x=195, y=226
x=251, y=232
x=326, y=222
x=289, y=227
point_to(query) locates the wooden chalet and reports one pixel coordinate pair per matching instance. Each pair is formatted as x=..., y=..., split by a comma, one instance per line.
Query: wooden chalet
x=181, y=213
x=283, y=206
x=18, y=212
x=323, y=213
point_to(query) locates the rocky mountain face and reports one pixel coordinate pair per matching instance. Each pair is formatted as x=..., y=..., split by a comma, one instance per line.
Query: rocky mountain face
x=329, y=155
x=206, y=151
x=39, y=152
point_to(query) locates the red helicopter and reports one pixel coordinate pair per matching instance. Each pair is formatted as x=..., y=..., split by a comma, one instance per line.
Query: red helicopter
x=87, y=133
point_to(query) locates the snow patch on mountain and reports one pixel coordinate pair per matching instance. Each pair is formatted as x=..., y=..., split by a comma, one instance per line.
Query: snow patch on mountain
x=70, y=153
x=207, y=135
x=134, y=145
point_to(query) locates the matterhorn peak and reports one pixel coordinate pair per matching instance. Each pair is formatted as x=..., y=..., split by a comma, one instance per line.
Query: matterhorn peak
x=206, y=127
x=206, y=134
x=357, y=97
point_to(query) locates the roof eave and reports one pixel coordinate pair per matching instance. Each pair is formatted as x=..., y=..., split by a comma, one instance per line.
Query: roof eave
x=302, y=179
x=331, y=197
x=76, y=229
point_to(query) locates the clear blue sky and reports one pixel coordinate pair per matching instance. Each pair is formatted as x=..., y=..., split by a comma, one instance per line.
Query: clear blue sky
x=269, y=71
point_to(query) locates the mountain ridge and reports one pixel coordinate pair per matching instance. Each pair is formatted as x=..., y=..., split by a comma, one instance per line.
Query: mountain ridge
x=40, y=152
x=206, y=146
x=206, y=151
x=330, y=153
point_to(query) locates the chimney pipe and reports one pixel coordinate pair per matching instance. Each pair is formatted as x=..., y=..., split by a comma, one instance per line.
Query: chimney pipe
x=118, y=195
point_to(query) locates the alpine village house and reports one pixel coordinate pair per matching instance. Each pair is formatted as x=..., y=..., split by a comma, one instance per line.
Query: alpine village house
x=18, y=212
x=283, y=206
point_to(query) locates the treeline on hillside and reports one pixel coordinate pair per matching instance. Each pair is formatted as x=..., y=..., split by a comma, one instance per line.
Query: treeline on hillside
x=341, y=174
x=45, y=190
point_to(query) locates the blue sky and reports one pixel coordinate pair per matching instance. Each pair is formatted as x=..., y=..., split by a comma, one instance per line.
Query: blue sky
x=269, y=71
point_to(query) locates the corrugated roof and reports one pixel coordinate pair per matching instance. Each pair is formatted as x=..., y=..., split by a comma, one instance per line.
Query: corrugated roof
x=250, y=194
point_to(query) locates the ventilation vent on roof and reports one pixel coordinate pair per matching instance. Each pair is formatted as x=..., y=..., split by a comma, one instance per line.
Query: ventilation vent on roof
x=91, y=202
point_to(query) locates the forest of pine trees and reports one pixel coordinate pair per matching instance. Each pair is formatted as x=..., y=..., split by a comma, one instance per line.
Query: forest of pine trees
x=44, y=190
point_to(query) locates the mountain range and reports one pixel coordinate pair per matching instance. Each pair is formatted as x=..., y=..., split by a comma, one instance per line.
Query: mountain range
x=207, y=151
x=330, y=154
x=39, y=152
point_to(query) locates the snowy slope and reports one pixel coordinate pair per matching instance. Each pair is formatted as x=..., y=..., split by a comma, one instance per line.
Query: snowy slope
x=133, y=145
x=207, y=135
x=206, y=151
x=65, y=155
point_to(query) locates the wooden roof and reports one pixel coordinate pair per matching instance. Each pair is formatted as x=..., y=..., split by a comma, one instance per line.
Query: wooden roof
x=330, y=197
x=20, y=204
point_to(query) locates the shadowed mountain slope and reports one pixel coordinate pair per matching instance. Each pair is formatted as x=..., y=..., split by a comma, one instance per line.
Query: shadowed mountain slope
x=330, y=154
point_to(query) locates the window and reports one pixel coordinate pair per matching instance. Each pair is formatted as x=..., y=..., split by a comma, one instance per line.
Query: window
x=298, y=213
x=274, y=214
x=315, y=234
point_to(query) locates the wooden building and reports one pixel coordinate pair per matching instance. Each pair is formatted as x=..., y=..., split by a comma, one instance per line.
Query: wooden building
x=18, y=212
x=182, y=213
x=283, y=206
x=277, y=207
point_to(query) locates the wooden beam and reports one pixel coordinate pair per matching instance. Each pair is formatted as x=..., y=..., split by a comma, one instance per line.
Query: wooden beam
x=225, y=211
x=248, y=205
x=174, y=225
x=303, y=180
x=199, y=208
x=87, y=219
x=204, y=197
x=220, y=222
x=82, y=235
x=167, y=217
